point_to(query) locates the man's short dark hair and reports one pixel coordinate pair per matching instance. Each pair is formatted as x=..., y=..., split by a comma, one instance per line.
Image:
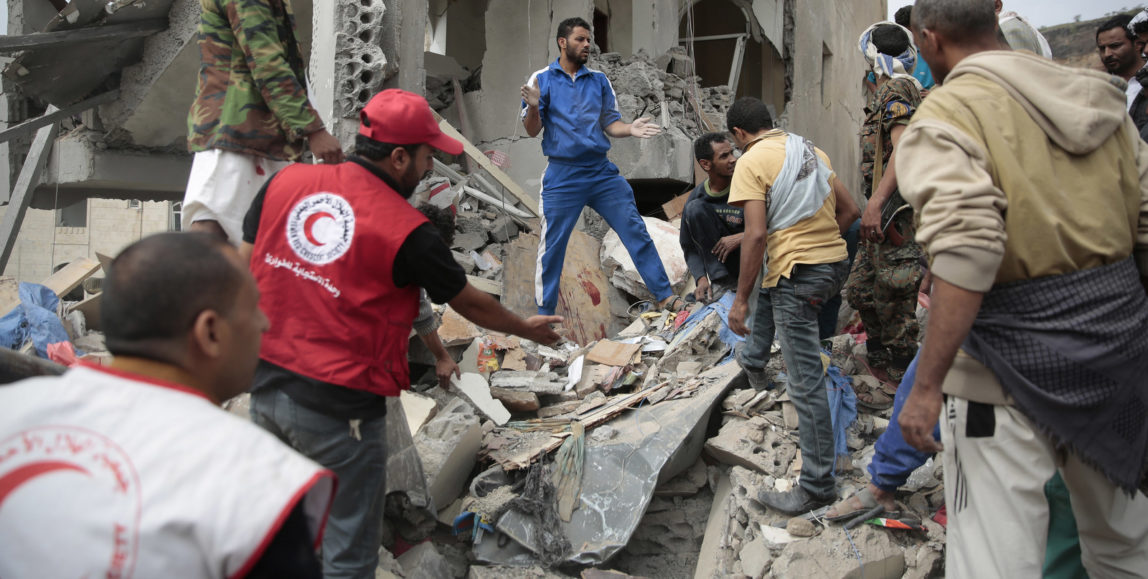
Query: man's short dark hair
x=1119, y=21
x=890, y=40
x=748, y=114
x=566, y=27
x=157, y=286
x=704, y=145
x=441, y=219
x=903, y=16
x=373, y=150
x=956, y=19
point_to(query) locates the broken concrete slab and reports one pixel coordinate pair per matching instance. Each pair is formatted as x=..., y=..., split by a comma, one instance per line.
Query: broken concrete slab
x=516, y=400
x=832, y=556
x=754, y=445
x=410, y=510
x=621, y=475
x=457, y=330
x=475, y=389
x=537, y=382
x=418, y=409
x=715, y=550
x=423, y=561
x=615, y=258
x=448, y=446
x=502, y=230
x=755, y=557
x=685, y=484
x=559, y=409
x=468, y=242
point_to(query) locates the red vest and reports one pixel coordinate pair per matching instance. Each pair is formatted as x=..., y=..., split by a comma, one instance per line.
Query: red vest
x=323, y=259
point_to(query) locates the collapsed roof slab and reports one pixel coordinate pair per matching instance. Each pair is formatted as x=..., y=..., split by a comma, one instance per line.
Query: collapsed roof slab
x=77, y=169
x=156, y=93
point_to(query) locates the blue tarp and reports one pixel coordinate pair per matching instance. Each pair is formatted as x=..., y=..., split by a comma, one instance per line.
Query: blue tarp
x=725, y=334
x=842, y=406
x=34, y=319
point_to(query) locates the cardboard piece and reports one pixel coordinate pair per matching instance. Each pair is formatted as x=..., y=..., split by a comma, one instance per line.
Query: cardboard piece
x=613, y=353
x=674, y=207
x=71, y=276
x=456, y=330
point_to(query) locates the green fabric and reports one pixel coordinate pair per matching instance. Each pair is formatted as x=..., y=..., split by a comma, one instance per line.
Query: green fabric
x=1062, y=556
x=251, y=95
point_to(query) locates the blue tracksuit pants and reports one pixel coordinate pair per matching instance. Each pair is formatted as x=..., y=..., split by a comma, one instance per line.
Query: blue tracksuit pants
x=895, y=460
x=566, y=189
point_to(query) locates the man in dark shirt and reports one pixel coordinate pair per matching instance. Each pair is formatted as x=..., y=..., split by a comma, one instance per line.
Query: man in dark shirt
x=343, y=223
x=712, y=229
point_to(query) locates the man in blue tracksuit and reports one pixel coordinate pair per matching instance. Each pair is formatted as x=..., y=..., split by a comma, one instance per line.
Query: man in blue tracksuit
x=576, y=105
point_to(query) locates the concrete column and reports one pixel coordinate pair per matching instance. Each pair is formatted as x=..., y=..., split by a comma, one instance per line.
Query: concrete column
x=655, y=25
x=348, y=65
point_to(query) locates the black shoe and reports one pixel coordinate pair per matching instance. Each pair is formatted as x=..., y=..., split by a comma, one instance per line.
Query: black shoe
x=795, y=501
x=756, y=376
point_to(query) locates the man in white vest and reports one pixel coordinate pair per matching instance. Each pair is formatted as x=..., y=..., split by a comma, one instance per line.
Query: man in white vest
x=133, y=469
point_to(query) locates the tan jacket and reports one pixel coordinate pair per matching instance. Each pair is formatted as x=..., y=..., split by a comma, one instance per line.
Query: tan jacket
x=1020, y=168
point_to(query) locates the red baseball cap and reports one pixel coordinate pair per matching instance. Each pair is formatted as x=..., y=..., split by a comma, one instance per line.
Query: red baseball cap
x=399, y=117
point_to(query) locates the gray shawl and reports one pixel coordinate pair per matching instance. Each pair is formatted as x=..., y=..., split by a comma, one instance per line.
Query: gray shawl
x=1072, y=351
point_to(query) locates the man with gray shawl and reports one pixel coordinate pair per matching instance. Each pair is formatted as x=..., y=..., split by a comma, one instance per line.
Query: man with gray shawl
x=1031, y=187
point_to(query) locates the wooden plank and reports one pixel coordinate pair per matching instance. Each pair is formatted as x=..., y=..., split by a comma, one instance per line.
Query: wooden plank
x=475, y=155
x=485, y=285
x=90, y=307
x=71, y=276
x=674, y=207
x=22, y=193
x=82, y=35
x=53, y=115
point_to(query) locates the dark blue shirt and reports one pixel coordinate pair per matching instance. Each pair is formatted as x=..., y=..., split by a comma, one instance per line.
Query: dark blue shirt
x=575, y=113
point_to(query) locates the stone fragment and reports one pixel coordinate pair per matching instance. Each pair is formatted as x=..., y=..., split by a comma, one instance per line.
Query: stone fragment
x=468, y=242
x=467, y=222
x=742, y=443
x=516, y=400
x=799, y=527
x=448, y=447
x=475, y=389
x=418, y=408
x=754, y=557
x=881, y=558
x=456, y=330
x=464, y=260
x=423, y=561
x=503, y=229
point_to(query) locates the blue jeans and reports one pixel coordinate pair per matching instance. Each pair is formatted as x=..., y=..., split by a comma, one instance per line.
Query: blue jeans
x=355, y=525
x=894, y=460
x=827, y=319
x=791, y=309
x=566, y=189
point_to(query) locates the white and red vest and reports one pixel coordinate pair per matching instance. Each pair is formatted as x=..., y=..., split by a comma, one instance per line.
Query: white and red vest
x=324, y=258
x=106, y=474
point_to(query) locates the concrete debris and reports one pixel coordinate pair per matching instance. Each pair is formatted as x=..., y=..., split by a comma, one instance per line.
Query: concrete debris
x=476, y=390
x=418, y=409
x=624, y=274
x=753, y=444
x=423, y=561
x=516, y=400
x=448, y=446
x=833, y=557
x=799, y=527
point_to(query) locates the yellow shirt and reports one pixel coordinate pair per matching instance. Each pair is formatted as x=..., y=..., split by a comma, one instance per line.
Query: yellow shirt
x=816, y=239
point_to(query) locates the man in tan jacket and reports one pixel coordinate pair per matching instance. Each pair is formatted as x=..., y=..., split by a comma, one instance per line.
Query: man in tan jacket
x=1031, y=186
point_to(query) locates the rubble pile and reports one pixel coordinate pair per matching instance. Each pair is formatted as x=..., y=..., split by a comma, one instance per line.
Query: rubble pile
x=665, y=89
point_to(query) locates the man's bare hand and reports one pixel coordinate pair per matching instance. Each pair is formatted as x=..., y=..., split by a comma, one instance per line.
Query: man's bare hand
x=538, y=329
x=871, y=224
x=443, y=369
x=727, y=245
x=919, y=418
x=644, y=129
x=704, y=292
x=325, y=147
x=737, y=315
x=531, y=93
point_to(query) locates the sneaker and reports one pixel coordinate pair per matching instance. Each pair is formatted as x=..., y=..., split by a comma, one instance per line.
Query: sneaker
x=796, y=501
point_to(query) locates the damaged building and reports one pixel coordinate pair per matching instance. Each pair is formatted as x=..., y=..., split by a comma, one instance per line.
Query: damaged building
x=633, y=448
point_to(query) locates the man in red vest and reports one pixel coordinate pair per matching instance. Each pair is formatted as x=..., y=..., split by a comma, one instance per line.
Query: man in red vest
x=339, y=256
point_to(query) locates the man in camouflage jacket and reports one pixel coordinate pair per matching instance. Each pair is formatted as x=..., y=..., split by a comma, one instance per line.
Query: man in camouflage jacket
x=886, y=275
x=251, y=115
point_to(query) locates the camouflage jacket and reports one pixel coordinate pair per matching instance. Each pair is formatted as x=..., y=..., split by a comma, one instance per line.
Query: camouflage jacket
x=893, y=104
x=251, y=94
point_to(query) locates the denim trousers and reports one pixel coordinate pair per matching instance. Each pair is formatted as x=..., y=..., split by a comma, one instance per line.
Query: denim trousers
x=791, y=309
x=357, y=455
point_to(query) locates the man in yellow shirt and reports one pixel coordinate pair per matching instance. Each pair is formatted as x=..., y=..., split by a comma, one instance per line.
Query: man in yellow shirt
x=796, y=208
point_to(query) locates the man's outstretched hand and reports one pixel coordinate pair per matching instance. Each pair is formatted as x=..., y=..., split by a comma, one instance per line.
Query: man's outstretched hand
x=644, y=129
x=538, y=329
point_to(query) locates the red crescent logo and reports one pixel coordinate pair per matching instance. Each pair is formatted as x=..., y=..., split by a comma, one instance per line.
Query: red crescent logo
x=310, y=222
x=11, y=481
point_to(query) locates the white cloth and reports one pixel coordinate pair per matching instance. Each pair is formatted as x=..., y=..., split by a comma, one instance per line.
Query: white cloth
x=1023, y=36
x=1132, y=90
x=105, y=474
x=900, y=66
x=801, y=186
x=221, y=187
x=996, y=465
